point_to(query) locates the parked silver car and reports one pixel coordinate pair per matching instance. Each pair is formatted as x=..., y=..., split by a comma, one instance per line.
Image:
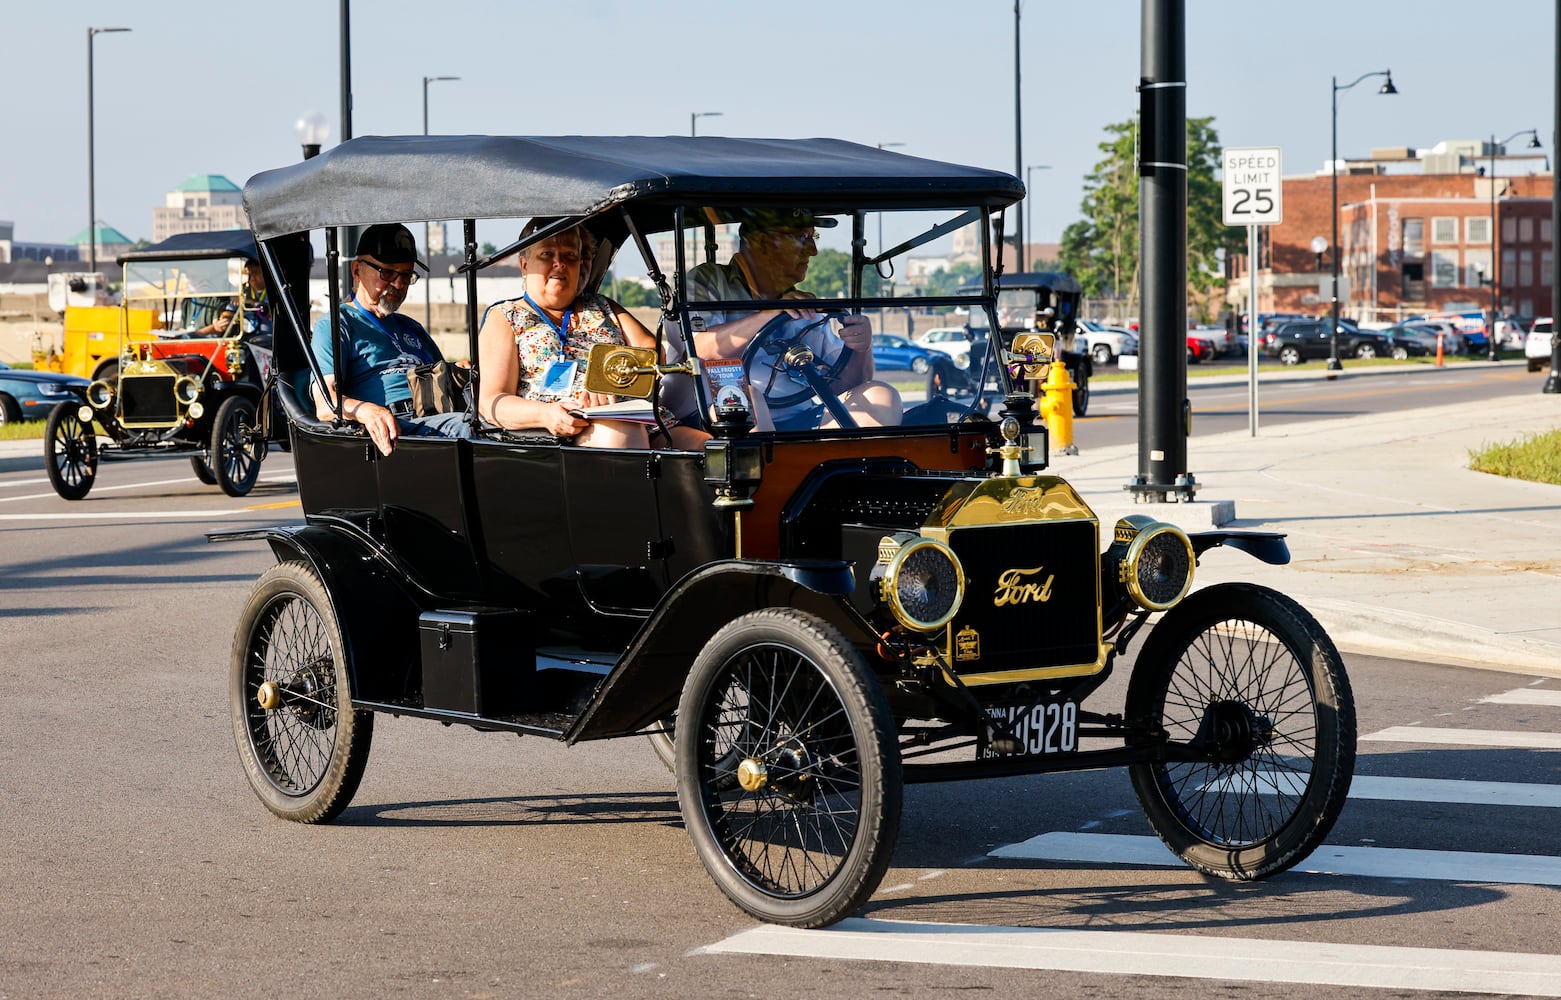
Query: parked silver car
x=1106, y=343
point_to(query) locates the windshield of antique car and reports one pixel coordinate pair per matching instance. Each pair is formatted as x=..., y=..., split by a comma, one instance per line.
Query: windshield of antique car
x=188, y=294
x=863, y=289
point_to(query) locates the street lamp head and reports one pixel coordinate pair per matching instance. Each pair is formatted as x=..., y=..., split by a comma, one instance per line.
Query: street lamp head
x=1533, y=139
x=312, y=130
x=1319, y=244
x=435, y=79
x=1388, y=88
x=104, y=31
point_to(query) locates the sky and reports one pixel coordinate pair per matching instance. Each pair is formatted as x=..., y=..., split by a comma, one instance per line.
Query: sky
x=185, y=93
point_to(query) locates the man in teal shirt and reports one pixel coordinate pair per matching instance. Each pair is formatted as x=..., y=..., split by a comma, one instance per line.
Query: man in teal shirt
x=382, y=346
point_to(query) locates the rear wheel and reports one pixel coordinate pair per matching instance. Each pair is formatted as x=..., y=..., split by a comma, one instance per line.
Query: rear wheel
x=1400, y=354
x=788, y=772
x=236, y=447
x=71, y=452
x=202, y=470
x=920, y=365
x=1247, y=677
x=1290, y=355
x=1080, y=393
x=1366, y=351
x=10, y=413
x=1101, y=353
x=302, y=745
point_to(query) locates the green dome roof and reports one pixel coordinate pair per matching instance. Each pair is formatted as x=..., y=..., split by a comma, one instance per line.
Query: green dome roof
x=208, y=182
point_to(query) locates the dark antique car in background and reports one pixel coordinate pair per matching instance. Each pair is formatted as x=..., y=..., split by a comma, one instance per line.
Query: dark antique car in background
x=802, y=620
x=185, y=387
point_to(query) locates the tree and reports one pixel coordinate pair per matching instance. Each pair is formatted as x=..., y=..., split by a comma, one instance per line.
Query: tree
x=827, y=276
x=948, y=282
x=632, y=295
x=1101, y=249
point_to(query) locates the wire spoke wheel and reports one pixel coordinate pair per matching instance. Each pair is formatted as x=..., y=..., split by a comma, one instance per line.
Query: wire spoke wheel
x=1249, y=679
x=71, y=452
x=788, y=774
x=302, y=744
x=236, y=449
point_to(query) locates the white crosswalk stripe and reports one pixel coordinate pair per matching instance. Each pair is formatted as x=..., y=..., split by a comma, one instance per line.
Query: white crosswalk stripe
x=1242, y=959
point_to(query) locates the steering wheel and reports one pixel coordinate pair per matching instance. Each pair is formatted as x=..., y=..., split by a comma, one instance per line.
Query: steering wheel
x=779, y=370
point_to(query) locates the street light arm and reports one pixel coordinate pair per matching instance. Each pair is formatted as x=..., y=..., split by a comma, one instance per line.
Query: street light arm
x=1364, y=76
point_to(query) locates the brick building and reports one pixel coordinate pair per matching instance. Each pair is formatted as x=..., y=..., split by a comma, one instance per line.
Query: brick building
x=1415, y=235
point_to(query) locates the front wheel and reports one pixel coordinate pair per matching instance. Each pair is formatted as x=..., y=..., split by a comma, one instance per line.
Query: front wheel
x=1249, y=680
x=1289, y=355
x=1080, y=393
x=70, y=451
x=920, y=365
x=302, y=744
x=1101, y=354
x=1400, y=354
x=237, y=448
x=788, y=771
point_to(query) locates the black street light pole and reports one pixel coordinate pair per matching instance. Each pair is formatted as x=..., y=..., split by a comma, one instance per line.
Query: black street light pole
x=428, y=289
x=1030, y=217
x=1495, y=275
x=92, y=198
x=1018, y=158
x=1553, y=380
x=693, y=119
x=1333, y=169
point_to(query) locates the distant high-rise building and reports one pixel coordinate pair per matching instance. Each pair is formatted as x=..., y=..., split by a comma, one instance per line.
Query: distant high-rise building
x=204, y=203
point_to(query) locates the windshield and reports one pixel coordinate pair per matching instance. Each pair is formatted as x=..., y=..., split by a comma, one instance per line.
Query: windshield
x=816, y=320
x=193, y=295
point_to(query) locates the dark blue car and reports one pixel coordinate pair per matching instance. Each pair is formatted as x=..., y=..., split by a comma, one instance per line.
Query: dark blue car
x=890, y=350
x=30, y=395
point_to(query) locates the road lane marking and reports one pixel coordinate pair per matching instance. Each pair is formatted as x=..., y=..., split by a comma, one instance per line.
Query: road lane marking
x=1467, y=737
x=1481, y=793
x=1369, y=862
x=1157, y=954
x=1525, y=696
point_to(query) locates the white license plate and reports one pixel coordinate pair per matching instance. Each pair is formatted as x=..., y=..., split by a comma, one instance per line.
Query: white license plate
x=1048, y=728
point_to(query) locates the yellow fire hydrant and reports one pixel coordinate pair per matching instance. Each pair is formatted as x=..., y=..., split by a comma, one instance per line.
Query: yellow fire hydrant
x=1057, y=408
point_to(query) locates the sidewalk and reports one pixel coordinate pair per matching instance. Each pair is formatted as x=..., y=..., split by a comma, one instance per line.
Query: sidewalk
x=1396, y=547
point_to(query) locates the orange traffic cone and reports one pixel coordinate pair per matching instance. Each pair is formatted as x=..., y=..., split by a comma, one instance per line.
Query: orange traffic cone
x=1439, y=350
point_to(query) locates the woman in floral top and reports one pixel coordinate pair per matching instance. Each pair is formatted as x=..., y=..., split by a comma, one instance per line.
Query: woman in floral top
x=533, y=349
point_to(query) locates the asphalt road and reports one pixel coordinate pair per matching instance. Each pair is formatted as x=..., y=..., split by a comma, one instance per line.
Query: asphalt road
x=137, y=863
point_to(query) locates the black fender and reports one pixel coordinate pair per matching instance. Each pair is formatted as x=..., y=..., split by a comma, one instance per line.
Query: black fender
x=644, y=685
x=374, y=605
x=1265, y=546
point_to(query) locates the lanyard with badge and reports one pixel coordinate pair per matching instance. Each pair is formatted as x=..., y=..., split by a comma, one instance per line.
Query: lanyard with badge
x=374, y=321
x=559, y=379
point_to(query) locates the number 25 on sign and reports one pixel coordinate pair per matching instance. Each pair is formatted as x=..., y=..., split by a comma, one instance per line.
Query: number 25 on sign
x=1252, y=187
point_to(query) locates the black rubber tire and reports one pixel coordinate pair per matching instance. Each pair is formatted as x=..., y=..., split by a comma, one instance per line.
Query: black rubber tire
x=304, y=758
x=665, y=743
x=810, y=844
x=70, y=452
x=1290, y=355
x=1242, y=650
x=1400, y=354
x=236, y=452
x=107, y=371
x=1081, y=394
x=920, y=365
x=947, y=381
x=1101, y=353
x=202, y=470
x=10, y=413
x=1534, y=364
x=1366, y=351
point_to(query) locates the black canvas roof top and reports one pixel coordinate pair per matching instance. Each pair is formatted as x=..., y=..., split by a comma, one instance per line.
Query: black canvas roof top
x=192, y=246
x=416, y=178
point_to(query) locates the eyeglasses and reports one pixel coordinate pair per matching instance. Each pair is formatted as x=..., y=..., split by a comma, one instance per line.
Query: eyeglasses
x=808, y=236
x=390, y=276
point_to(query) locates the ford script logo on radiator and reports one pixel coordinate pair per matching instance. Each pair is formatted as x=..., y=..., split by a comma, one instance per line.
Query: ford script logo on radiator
x=1015, y=587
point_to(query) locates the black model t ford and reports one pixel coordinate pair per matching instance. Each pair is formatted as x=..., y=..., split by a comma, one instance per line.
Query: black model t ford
x=802, y=620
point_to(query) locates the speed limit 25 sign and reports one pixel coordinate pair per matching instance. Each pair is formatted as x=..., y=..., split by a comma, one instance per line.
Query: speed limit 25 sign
x=1252, y=187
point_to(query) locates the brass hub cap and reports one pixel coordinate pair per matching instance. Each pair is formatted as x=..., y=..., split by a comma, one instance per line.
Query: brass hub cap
x=269, y=696
x=752, y=774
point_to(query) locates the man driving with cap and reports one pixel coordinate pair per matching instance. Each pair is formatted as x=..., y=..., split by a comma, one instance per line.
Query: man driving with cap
x=774, y=250
x=382, y=345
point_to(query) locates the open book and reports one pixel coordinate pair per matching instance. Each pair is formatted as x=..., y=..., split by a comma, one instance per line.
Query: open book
x=638, y=410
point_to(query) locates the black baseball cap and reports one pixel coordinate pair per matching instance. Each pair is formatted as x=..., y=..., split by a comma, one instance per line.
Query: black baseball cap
x=389, y=243
x=783, y=218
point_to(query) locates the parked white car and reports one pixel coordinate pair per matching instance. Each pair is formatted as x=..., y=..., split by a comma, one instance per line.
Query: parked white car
x=1536, y=346
x=1106, y=343
x=951, y=340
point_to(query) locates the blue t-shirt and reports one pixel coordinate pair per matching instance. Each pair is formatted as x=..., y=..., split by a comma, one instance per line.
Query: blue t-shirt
x=380, y=351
